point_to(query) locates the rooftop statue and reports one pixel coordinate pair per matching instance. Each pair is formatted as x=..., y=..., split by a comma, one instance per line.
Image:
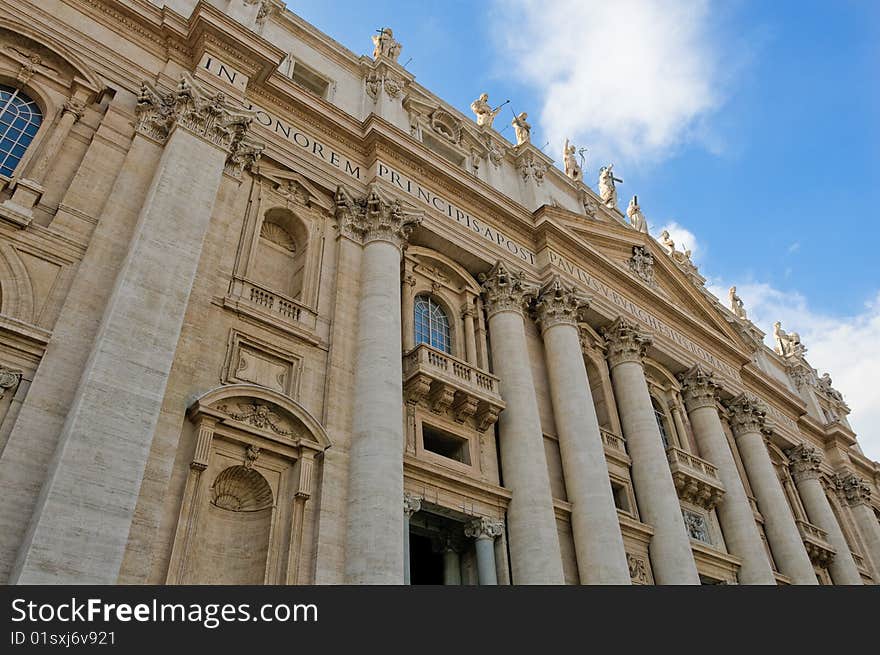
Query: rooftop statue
x=572, y=169
x=736, y=304
x=788, y=344
x=522, y=128
x=607, y=188
x=681, y=258
x=385, y=45
x=636, y=218
x=483, y=110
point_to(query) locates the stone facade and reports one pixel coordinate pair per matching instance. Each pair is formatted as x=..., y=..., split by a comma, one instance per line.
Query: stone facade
x=272, y=312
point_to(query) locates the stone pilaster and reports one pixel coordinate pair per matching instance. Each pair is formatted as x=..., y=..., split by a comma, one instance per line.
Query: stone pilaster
x=804, y=462
x=700, y=393
x=748, y=419
x=534, y=542
x=597, y=539
x=670, y=550
x=375, y=528
x=857, y=494
x=411, y=505
x=82, y=519
x=484, y=531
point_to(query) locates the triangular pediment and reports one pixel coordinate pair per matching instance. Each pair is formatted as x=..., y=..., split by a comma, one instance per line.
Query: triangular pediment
x=648, y=265
x=295, y=185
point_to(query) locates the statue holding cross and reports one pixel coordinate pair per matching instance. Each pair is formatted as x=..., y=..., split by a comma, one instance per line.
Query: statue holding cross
x=607, y=188
x=385, y=45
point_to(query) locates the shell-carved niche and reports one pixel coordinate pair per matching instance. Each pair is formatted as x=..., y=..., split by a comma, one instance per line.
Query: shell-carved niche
x=446, y=125
x=244, y=509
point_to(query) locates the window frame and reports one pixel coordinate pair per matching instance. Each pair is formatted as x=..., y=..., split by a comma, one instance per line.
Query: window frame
x=432, y=304
x=33, y=138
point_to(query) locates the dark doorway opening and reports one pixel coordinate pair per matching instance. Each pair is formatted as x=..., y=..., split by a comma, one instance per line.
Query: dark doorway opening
x=426, y=566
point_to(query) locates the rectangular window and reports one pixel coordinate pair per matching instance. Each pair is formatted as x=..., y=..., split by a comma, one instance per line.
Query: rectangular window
x=446, y=444
x=621, y=498
x=305, y=77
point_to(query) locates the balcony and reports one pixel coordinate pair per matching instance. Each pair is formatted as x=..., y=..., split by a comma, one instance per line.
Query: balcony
x=816, y=541
x=696, y=480
x=615, y=447
x=277, y=309
x=447, y=384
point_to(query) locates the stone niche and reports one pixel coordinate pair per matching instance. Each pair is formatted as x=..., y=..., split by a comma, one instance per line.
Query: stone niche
x=245, y=505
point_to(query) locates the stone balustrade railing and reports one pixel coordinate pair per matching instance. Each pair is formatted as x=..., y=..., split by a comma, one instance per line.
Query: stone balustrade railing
x=816, y=541
x=249, y=297
x=696, y=480
x=445, y=383
x=613, y=441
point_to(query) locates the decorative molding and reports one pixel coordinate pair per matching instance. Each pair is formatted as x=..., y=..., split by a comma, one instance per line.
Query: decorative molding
x=625, y=342
x=484, y=528
x=531, y=168
x=559, y=304
x=207, y=115
x=259, y=415
x=699, y=388
x=9, y=379
x=853, y=489
x=748, y=415
x=804, y=462
x=506, y=289
x=697, y=526
x=374, y=217
x=642, y=265
x=411, y=504
x=638, y=569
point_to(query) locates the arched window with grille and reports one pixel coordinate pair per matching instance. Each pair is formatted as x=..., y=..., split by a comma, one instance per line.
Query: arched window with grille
x=20, y=118
x=432, y=324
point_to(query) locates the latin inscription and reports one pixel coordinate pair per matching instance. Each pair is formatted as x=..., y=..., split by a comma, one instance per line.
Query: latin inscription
x=655, y=324
x=449, y=210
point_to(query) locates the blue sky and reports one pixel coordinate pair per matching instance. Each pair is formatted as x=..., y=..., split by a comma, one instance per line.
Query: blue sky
x=749, y=128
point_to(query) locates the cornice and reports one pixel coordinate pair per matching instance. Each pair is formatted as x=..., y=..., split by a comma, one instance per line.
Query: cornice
x=610, y=273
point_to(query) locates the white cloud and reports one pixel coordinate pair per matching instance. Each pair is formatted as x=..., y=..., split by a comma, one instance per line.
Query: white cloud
x=630, y=80
x=794, y=247
x=846, y=347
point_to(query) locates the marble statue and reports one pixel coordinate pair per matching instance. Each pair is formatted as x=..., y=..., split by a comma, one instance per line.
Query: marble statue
x=667, y=241
x=607, y=188
x=385, y=45
x=825, y=385
x=636, y=218
x=788, y=344
x=522, y=129
x=572, y=168
x=483, y=110
x=736, y=304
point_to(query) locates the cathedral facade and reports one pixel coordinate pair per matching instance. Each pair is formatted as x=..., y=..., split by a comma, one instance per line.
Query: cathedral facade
x=272, y=312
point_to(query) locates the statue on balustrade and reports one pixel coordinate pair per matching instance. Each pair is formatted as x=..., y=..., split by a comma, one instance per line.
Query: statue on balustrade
x=572, y=168
x=607, y=186
x=385, y=45
x=736, y=304
x=636, y=218
x=788, y=344
x=522, y=128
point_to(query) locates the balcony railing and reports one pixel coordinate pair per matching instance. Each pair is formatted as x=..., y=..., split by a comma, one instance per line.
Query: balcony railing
x=258, y=301
x=816, y=541
x=696, y=480
x=612, y=441
x=446, y=383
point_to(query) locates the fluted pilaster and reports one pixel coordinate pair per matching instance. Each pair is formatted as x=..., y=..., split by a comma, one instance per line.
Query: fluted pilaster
x=597, y=539
x=534, y=541
x=376, y=531
x=700, y=395
x=670, y=549
x=748, y=419
x=804, y=462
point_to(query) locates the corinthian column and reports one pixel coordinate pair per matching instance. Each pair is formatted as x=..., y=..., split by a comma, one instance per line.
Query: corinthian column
x=374, y=539
x=483, y=531
x=749, y=422
x=671, y=556
x=81, y=523
x=857, y=494
x=741, y=534
x=534, y=541
x=597, y=540
x=804, y=462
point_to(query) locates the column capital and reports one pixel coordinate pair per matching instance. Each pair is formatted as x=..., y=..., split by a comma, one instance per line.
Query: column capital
x=699, y=388
x=625, y=342
x=374, y=217
x=506, y=289
x=74, y=106
x=484, y=528
x=411, y=504
x=804, y=461
x=205, y=114
x=558, y=304
x=748, y=414
x=853, y=489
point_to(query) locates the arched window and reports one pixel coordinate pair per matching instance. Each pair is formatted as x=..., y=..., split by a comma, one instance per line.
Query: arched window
x=20, y=119
x=432, y=324
x=660, y=415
